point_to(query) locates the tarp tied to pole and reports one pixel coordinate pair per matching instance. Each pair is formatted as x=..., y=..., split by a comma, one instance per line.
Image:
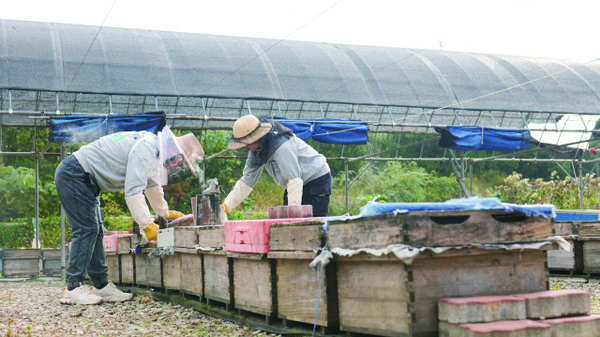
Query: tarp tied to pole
x=79, y=129
x=327, y=130
x=471, y=138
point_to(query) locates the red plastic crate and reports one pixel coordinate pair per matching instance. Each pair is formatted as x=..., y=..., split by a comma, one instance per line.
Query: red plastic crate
x=251, y=236
x=110, y=242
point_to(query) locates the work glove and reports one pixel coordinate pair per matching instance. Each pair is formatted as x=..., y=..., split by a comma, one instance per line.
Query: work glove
x=150, y=232
x=141, y=214
x=175, y=214
x=236, y=196
x=222, y=215
x=294, y=190
x=157, y=201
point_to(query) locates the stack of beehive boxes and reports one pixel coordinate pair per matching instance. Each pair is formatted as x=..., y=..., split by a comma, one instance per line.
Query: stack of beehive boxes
x=382, y=294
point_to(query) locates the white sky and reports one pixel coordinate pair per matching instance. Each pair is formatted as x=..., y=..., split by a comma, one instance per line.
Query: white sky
x=539, y=28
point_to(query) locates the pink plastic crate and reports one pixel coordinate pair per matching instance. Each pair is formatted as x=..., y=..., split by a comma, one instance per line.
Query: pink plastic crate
x=251, y=236
x=110, y=242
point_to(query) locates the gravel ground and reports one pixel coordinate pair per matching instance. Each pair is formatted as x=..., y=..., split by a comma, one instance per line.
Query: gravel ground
x=31, y=308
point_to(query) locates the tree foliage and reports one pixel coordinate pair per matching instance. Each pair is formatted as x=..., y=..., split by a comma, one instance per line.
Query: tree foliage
x=564, y=194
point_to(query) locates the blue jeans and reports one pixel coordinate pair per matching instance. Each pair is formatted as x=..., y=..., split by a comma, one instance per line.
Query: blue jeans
x=80, y=197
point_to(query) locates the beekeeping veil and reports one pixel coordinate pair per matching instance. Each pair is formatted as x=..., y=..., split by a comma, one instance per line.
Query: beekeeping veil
x=180, y=157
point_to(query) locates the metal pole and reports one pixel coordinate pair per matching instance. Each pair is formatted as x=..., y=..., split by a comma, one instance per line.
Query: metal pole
x=580, y=185
x=346, y=168
x=37, y=192
x=63, y=246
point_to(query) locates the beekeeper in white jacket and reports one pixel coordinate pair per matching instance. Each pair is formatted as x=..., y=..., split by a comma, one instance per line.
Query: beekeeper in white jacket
x=292, y=163
x=137, y=163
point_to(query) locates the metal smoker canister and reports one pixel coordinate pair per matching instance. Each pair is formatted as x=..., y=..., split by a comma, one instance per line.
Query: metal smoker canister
x=207, y=209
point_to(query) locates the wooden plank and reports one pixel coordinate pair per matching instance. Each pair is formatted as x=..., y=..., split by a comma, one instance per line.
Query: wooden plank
x=140, y=269
x=404, y=297
x=317, y=289
x=591, y=256
x=114, y=270
x=211, y=236
x=46, y=253
x=191, y=274
x=171, y=271
x=373, y=297
x=588, y=229
x=565, y=228
x=292, y=255
x=127, y=268
x=20, y=267
x=306, y=235
x=186, y=237
x=217, y=278
x=154, y=271
x=253, y=282
x=21, y=253
x=438, y=228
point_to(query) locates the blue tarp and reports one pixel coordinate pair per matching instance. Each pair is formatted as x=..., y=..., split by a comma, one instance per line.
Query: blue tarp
x=328, y=130
x=78, y=129
x=470, y=138
x=374, y=208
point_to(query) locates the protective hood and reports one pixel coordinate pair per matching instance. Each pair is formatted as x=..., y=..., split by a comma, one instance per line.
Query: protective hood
x=180, y=157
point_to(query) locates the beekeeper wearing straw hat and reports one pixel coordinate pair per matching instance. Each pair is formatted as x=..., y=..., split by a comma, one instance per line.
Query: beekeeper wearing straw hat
x=137, y=163
x=292, y=163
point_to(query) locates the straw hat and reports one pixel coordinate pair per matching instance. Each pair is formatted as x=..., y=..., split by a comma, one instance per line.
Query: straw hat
x=191, y=149
x=247, y=130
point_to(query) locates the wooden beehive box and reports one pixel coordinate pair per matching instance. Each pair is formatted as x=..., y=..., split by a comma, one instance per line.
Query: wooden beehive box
x=589, y=237
x=567, y=261
x=218, y=277
x=20, y=262
x=51, y=262
x=191, y=275
x=127, y=244
x=211, y=236
x=114, y=269
x=301, y=289
x=126, y=250
x=384, y=296
x=148, y=270
x=171, y=271
x=139, y=261
x=438, y=228
x=293, y=245
x=254, y=284
x=308, y=236
x=127, y=268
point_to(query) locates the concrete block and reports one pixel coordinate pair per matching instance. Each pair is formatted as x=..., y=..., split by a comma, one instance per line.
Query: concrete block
x=580, y=326
x=481, y=309
x=557, y=303
x=515, y=328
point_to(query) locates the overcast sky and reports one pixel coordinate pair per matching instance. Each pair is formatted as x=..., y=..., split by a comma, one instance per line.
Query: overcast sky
x=539, y=28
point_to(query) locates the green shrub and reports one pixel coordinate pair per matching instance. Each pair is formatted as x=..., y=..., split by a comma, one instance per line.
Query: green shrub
x=50, y=232
x=16, y=235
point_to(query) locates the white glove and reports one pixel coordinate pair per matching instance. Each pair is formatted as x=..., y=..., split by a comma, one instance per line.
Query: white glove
x=222, y=215
x=157, y=201
x=236, y=196
x=139, y=210
x=294, y=189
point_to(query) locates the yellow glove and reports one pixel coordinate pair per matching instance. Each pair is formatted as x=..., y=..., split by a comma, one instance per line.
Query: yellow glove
x=175, y=214
x=150, y=232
